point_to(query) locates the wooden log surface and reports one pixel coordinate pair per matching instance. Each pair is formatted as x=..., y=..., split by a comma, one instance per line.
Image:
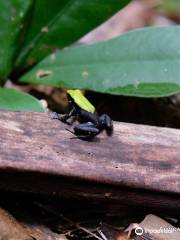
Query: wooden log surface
x=35, y=147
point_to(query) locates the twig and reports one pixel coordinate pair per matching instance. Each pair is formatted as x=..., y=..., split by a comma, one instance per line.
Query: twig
x=102, y=235
x=49, y=209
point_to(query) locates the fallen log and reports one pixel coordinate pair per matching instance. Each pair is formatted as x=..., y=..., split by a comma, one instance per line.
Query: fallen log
x=139, y=163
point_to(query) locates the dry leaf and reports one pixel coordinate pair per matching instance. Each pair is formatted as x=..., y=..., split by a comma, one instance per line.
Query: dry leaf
x=153, y=228
x=10, y=229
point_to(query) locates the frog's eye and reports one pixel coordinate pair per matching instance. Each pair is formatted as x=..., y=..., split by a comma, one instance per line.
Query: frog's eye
x=81, y=100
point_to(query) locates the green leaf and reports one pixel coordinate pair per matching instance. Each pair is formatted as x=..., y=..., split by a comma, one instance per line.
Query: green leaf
x=145, y=62
x=58, y=24
x=13, y=100
x=11, y=24
x=171, y=7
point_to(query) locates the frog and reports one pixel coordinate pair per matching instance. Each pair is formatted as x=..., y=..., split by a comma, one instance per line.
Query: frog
x=90, y=122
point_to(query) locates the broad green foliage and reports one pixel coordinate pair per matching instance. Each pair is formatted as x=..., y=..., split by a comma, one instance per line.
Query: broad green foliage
x=11, y=24
x=145, y=62
x=59, y=23
x=13, y=100
x=30, y=29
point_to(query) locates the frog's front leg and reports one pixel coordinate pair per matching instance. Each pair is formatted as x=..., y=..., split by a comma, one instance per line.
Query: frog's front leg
x=64, y=118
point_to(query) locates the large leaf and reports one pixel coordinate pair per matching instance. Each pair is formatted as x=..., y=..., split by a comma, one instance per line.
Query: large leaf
x=11, y=24
x=144, y=62
x=13, y=100
x=56, y=24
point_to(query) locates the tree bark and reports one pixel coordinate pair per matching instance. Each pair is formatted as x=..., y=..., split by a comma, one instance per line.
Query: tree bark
x=141, y=163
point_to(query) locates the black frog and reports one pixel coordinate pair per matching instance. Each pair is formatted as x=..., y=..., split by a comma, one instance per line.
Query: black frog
x=90, y=123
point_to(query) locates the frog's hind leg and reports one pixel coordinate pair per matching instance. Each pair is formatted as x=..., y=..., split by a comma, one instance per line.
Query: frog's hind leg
x=82, y=137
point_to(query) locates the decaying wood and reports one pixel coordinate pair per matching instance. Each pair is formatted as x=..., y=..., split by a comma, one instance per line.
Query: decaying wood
x=38, y=154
